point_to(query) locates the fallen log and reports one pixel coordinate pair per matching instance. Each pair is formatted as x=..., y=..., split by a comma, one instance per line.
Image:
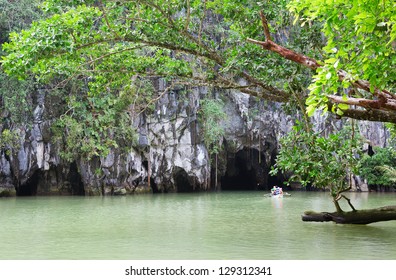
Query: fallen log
x=362, y=217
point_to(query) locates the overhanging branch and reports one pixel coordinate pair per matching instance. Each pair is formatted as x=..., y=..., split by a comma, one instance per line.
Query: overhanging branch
x=384, y=100
x=286, y=53
x=370, y=115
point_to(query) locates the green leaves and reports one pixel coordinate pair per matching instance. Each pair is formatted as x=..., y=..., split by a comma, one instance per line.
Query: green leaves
x=94, y=125
x=359, y=38
x=321, y=161
x=211, y=117
x=10, y=140
x=371, y=167
x=51, y=47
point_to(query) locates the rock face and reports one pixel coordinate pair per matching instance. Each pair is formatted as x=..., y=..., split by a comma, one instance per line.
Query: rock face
x=170, y=155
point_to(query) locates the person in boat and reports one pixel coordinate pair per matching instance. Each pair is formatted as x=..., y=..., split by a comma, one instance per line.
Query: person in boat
x=276, y=190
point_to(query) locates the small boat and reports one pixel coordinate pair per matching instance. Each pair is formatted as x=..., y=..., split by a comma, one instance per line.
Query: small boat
x=277, y=195
x=276, y=192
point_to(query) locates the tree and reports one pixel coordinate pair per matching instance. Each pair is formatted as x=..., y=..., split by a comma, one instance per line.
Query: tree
x=324, y=162
x=111, y=41
x=328, y=163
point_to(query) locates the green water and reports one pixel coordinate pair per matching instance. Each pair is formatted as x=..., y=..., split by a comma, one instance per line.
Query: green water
x=225, y=225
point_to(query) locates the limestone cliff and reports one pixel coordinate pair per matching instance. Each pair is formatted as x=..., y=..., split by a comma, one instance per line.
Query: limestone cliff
x=170, y=155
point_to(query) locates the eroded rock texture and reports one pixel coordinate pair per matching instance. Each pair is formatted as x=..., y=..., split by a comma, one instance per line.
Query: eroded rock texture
x=170, y=155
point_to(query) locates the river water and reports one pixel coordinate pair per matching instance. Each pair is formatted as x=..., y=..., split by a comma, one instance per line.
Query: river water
x=223, y=225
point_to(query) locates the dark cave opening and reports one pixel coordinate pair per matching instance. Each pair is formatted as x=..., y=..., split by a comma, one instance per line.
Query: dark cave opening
x=29, y=188
x=75, y=180
x=243, y=171
x=154, y=186
x=275, y=181
x=247, y=170
x=182, y=181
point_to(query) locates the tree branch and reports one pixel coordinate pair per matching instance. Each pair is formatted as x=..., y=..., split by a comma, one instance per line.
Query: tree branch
x=286, y=53
x=386, y=101
x=264, y=22
x=363, y=102
x=370, y=115
x=362, y=217
x=349, y=202
x=188, y=16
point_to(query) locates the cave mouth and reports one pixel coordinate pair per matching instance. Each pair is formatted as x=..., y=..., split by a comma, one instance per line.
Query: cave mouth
x=247, y=170
x=29, y=188
x=154, y=186
x=275, y=181
x=182, y=180
x=75, y=180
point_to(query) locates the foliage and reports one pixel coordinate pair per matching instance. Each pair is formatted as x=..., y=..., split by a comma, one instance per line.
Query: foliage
x=319, y=160
x=14, y=94
x=16, y=15
x=202, y=42
x=391, y=127
x=15, y=99
x=389, y=172
x=212, y=116
x=361, y=36
x=93, y=125
x=377, y=169
x=9, y=140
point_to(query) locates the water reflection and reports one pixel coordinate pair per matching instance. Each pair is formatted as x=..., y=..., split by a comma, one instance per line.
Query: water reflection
x=276, y=202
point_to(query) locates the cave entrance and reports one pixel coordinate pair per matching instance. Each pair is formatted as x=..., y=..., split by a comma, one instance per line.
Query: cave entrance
x=246, y=170
x=182, y=180
x=274, y=181
x=75, y=180
x=29, y=188
x=153, y=186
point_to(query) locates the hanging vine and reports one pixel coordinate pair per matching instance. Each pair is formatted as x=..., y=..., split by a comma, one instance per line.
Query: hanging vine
x=211, y=116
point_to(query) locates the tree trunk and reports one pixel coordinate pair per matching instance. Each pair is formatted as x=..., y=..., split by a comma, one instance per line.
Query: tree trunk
x=363, y=217
x=337, y=205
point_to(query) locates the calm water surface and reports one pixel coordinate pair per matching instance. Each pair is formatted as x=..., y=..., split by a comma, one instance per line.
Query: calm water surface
x=225, y=225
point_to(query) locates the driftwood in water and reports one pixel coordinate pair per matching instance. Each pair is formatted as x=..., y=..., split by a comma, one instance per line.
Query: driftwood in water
x=362, y=217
